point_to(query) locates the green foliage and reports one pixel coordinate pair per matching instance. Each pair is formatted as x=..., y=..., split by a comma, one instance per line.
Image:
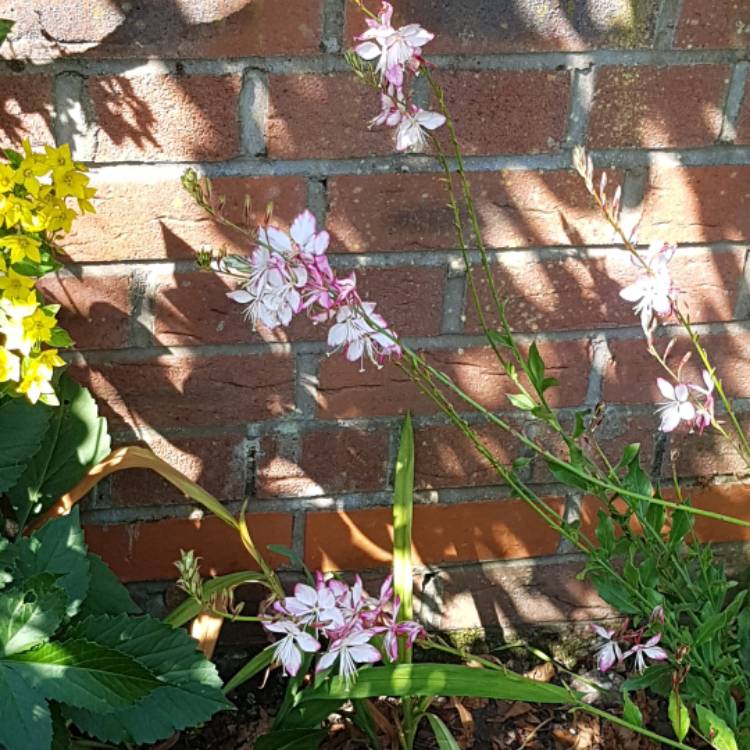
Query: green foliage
x=444, y=738
x=73, y=655
x=403, y=509
x=22, y=428
x=6, y=26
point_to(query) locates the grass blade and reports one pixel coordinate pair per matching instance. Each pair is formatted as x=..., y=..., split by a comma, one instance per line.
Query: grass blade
x=403, y=504
x=444, y=738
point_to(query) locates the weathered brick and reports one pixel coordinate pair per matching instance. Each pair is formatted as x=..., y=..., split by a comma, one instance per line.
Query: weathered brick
x=444, y=457
x=408, y=212
x=323, y=117
x=217, y=464
x=166, y=118
x=491, y=26
x=95, y=308
x=360, y=539
x=278, y=474
x=723, y=23
x=582, y=293
x=665, y=107
x=178, y=29
x=345, y=392
x=527, y=114
x=743, y=125
x=157, y=219
x=147, y=551
x=697, y=204
x=631, y=375
x=171, y=391
x=26, y=109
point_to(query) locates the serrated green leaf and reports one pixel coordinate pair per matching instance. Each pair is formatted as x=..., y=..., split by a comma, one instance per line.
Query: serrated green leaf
x=106, y=595
x=22, y=427
x=190, y=687
x=678, y=716
x=715, y=729
x=291, y=739
x=630, y=712
x=61, y=739
x=84, y=674
x=76, y=440
x=30, y=613
x=445, y=740
x=521, y=401
x=26, y=723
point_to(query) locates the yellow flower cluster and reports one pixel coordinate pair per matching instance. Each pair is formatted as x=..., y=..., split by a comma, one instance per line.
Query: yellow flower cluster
x=35, y=189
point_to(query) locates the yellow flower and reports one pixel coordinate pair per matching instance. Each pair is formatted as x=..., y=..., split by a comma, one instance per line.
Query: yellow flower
x=21, y=247
x=38, y=327
x=15, y=210
x=70, y=182
x=10, y=366
x=7, y=178
x=35, y=384
x=59, y=158
x=50, y=358
x=14, y=285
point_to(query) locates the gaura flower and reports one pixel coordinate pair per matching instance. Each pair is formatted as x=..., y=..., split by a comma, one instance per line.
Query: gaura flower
x=677, y=407
x=288, y=651
x=351, y=649
x=647, y=650
x=609, y=653
x=304, y=233
x=354, y=333
x=312, y=606
x=410, y=135
x=704, y=416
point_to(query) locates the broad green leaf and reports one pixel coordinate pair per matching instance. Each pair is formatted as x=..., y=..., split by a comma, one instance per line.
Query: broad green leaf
x=521, y=401
x=403, y=509
x=190, y=608
x=440, y=679
x=22, y=427
x=30, y=613
x=291, y=739
x=61, y=739
x=190, y=687
x=631, y=713
x=257, y=664
x=76, y=440
x=106, y=595
x=84, y=674
x=6, y=26
x=445, y=739
x=59, y=547
x=678, y=715
x=715, y=729
x=26, y=723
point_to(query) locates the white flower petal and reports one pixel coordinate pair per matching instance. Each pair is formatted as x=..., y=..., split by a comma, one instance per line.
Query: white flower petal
x=666, y=388
x=670, y=418
x=367, y=50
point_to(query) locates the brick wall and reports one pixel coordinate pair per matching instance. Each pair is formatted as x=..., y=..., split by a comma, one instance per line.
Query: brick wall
x=257, y=96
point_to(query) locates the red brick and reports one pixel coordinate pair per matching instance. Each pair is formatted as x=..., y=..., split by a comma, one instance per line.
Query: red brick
x=489, y=26
x=507, y=112
x=26, y=110
x=166, y=118
x=581, y=293
x=279, y=475
x=743, y=125
x=697, y=204
x=158, y=219
x=723, y=23
x=360, y=539
x=95, y=308
x=171, y=391
x=728, y=499
x=217, y=464
x=653, y=107
x=444, y=457
x=515, y=208
x=631, y=375
x=323, y=117
x=345, y=392
x=178, y=29
x=147, y=551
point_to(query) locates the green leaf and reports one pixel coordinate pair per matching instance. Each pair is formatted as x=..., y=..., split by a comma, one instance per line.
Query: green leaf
x=615, y=594
x=6, y=26
x=84, y=674
x=76, y=440
x=439, y=679
x=605, y=531
x=743, y=635
x=521, y=401
x=364, y=720
x=536, y=366
x=291, y=739
x=30, y=613
x=403, y=508
x=26, y=723
x=580, y=425
x=258, y=663
x=59, y=547
x=445, y=739
x=60, y=339
x=715, y=729
x=61, y=739
x=189, y=691
x=22, y=427
x=566, y=476
x=499, y=339
x=631, y=452
x=631, y=713
x=290, y=554
x=682, y=523
x=678, y=715
x=657, y=678
x=106, y=595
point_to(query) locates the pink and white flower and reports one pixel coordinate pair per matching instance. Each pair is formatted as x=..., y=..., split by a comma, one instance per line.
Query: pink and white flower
x=410, y=135
x=304, y=233
x=354, y=333
x=391, y=111
x=609, y=653
x=647, y=650
x=316, y=607
x=288, y=650
x=677, y=407
x=704, y=416
x=350, y=650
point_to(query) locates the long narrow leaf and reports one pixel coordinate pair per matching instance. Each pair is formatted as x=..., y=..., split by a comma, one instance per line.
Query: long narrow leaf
x=440, y=679
x=444, y=738
x=403, y=504
x=257, y=664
